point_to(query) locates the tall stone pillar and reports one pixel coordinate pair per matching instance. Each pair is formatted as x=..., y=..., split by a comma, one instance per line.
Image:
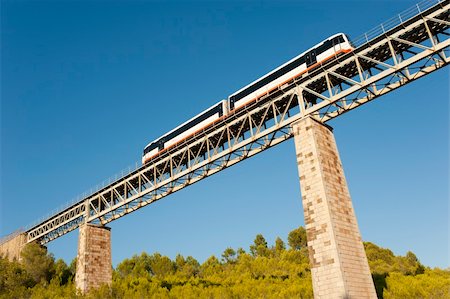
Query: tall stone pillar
x=11, y=248
x=94, y=257
x=339, y=264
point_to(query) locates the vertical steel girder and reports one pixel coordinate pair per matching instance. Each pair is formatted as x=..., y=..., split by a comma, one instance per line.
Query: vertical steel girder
x=403, y=54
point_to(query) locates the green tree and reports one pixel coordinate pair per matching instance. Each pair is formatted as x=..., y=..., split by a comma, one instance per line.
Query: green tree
x=417, y=267
x=138, y=265
x=431, y=284
x=180, y=261
x=126, y=267
x=15, y=282
x=191, y=268
x=259, y=247
x=229, y=255
x=161, y=265
x=279, y=245
x=73, y=267
x=186, y=268
x=37, y=262
x=381, y=260
x=297, y=238
x=240, y=252
x=53, y=290
x=210, y=267
x=63, y=274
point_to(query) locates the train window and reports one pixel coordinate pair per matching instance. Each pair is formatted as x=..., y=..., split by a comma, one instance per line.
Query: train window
x=336, y=40
x=322, y=48
x=150, y=147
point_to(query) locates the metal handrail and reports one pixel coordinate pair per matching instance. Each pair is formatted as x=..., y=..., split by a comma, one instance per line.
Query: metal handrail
x=394, y=22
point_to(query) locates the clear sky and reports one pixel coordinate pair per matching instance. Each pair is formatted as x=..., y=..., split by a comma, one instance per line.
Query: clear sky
x=85, y=85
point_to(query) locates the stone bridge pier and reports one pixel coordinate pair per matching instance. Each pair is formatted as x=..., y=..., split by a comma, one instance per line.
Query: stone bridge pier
x=94, y=266
x=12, y=247
x=339, y=264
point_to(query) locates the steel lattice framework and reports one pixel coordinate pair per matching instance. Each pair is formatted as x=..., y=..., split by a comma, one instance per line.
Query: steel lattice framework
x=402, y=54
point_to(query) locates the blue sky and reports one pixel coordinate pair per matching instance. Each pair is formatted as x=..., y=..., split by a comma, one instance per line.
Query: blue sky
x=85, y=85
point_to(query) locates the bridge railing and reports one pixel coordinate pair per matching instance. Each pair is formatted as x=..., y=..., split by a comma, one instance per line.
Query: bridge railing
x=394, y=22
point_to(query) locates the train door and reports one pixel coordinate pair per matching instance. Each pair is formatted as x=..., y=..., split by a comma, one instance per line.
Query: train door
x=336, y=44
x=161, y=144
x=310, y=58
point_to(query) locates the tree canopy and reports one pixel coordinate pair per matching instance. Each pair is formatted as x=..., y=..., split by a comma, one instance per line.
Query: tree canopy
x=297, y=238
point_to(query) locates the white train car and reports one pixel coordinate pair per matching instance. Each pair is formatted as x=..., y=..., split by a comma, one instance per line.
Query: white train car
x=185, y=130
x=330, y=48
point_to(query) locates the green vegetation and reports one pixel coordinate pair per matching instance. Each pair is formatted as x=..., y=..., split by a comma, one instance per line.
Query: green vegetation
x=262, y=272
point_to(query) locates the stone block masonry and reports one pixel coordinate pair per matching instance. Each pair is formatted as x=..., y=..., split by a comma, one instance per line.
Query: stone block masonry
x=339, y=264
x=94, y=266
x=12, y=248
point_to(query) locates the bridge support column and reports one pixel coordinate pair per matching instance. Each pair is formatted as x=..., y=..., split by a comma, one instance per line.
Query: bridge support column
x=12, y=248
x=94, y=257
x=339, y=264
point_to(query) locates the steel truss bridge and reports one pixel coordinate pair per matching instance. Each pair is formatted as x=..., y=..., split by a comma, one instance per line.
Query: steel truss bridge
x=406, y=48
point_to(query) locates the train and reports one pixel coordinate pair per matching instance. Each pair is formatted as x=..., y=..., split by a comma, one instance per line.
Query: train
x=300, y=65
